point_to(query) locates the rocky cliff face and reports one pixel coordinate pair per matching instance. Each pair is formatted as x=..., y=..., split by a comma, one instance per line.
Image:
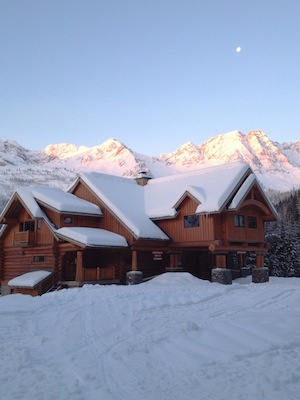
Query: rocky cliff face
x=276, y=165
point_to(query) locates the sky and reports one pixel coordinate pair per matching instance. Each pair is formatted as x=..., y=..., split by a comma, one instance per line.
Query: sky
x=153, y=74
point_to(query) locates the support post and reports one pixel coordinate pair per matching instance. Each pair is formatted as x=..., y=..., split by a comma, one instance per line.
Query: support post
x=134, y=260
x=260, y=273
x=220, y=274
x=79, y=267
x=220, y=261
x=134, y=276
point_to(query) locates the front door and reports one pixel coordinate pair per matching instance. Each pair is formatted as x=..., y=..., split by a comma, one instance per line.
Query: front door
x=69, y=266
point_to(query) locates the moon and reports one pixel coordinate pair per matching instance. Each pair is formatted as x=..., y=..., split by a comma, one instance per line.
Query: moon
x=238, y=49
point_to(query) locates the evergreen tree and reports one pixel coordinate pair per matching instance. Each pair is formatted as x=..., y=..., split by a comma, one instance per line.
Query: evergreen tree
x=283, y=257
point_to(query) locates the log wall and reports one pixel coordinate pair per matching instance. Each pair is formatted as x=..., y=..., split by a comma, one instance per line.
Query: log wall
x=19, y=260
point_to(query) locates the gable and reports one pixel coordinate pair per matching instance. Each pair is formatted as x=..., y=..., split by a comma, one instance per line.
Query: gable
x=124, y=202
x=250, y=193
x=187, y=205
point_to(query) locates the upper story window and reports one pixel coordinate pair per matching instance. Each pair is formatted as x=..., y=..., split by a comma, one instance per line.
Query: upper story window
x=67, y=220
x=239, y=221
x=252, y=222
x=191, y=221
x=26, y=226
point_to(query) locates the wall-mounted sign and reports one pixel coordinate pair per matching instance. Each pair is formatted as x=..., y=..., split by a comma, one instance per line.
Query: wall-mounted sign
x=157, y=255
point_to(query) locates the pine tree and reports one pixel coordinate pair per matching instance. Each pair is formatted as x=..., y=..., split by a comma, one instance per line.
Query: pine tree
x=283, y=257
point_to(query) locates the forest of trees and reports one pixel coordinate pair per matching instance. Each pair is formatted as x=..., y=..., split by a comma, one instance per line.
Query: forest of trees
x=283, y=256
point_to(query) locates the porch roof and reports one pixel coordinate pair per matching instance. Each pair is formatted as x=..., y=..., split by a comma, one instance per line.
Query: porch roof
x=29, y=279
x=91, y=237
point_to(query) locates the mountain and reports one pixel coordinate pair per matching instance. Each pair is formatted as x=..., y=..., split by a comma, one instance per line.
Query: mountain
x=277, y=165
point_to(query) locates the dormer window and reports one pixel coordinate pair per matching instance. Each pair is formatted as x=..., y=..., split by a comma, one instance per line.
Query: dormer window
x=26, y=226
x=68, y=220
x=191, y=221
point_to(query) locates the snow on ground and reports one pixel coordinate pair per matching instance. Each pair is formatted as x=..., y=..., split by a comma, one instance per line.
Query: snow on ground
x=175, y=337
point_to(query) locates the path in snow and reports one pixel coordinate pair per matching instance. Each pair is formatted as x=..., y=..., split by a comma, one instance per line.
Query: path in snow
x=175, y=337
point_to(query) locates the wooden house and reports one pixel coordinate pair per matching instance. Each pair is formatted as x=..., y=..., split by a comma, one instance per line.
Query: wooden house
x=106, y=226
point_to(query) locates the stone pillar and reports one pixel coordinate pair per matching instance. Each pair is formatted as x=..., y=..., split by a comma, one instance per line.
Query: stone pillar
x=221, y=275
x=260, y=275
x=134, y=276
x=79, y=267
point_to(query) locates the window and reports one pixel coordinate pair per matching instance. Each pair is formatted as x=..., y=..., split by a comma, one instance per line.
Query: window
x=38, y=259
x=26, y=226
x=191, y=221
x=239, y=221
x=39, y=224
x=68, y=220
x=252, y=222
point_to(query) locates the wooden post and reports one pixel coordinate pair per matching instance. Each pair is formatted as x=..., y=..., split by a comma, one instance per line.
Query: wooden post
x=172, y=261
x=79, y=267
x=260, y=260
x=134, y=260
x=242, y=259
x=220, y=261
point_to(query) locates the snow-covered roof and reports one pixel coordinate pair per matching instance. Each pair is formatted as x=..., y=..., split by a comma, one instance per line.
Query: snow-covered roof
x=91, y=237
x=30, y=279
x=26, y=197
x=125, y=198
x=210, y=187
x=242, y=192
x=136, y=206
x=64, y=202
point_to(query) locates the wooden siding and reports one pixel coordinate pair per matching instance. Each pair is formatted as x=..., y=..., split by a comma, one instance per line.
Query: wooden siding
x=244, y=234
x=174, y=228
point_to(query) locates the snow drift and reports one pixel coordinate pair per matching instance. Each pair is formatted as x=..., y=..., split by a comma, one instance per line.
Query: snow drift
x=175, y=337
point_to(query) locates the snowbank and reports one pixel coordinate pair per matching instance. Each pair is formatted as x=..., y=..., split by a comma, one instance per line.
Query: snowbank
x=175, y=337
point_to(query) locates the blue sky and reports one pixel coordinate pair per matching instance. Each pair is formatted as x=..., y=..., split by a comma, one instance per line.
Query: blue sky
x=154, y=74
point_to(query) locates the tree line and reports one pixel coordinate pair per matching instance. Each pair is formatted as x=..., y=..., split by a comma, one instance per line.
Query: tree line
x=283, y=256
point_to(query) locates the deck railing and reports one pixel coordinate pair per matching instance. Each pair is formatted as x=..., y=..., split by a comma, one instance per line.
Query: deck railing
x=24, y=238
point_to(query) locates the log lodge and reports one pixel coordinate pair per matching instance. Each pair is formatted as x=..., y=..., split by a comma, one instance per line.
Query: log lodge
x=111, y=229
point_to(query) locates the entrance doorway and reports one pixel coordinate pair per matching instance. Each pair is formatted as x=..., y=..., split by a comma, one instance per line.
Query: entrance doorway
x=69, y=266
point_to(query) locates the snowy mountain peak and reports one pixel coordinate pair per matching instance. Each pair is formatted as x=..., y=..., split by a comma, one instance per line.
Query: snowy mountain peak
x=276, y=165
x=112, y=147
x=64, y=150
